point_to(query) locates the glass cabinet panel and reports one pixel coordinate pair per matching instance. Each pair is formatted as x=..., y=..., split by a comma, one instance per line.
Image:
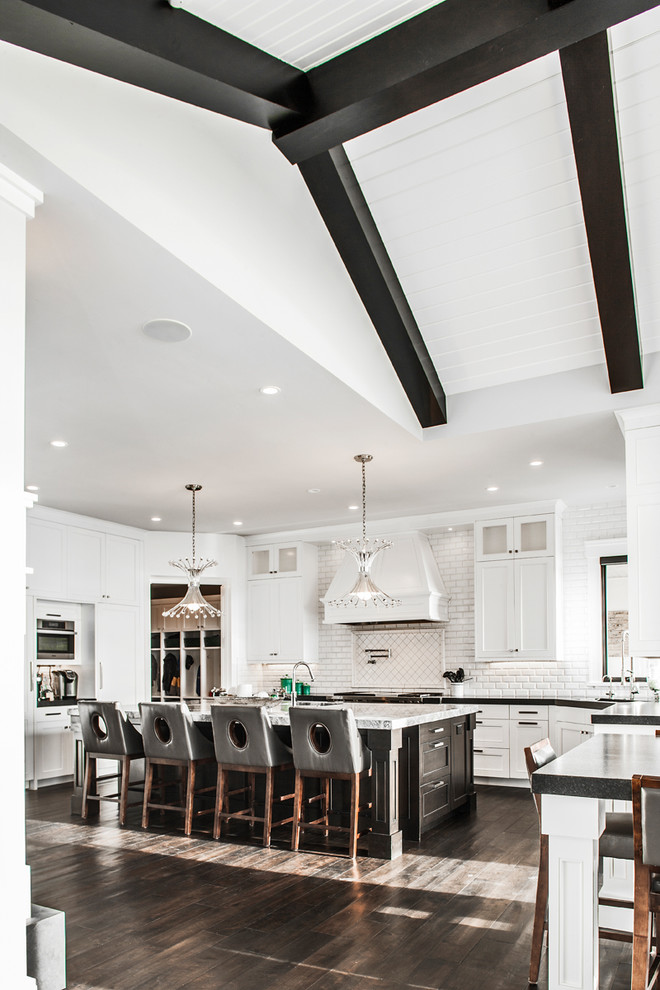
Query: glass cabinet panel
x=533, y=536
x=495, y=539
x=260, y=561
x=287, y=559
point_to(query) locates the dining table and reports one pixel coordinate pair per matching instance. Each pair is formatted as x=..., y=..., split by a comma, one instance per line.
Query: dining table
x=575, y=790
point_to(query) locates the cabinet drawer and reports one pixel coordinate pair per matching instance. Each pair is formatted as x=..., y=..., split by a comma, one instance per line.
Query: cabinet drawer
x=434, y=801
x=490, y=762
x=434, y=731
x=434, y=758
x=529, y=712
x=491, y=732
x=493, y=711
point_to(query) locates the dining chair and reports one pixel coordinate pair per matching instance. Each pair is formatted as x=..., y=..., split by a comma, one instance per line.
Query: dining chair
x=172, y=739
x=646, y=914
x=327, y=746
x=245, y=741
x=616, y=842
x=108, y=735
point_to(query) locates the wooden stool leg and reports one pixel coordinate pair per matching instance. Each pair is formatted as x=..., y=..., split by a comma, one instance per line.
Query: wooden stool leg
x=123, y=790
x=641, y=930
x=326, y=803
x=297, y=811
x=89, y=783
x=539, y=911
x=148, y=778
x=252, y=784
x=353, y=821
x=268, y=808
x=219, y=802
x=190, y=797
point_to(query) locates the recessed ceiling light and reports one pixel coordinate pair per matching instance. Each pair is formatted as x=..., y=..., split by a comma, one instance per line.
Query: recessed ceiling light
x=313, y=491
x=612, y=486
x=237, y=522
x=450, y=529
x=492, y=488
x=156, y=519
x=269, y=390
x=535, y=463
x=167, y=331
x=32, y=488
x=59, y=443
x=353, y=508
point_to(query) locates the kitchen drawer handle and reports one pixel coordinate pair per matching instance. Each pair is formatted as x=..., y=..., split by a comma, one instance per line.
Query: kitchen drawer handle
x=441, y=783
x=528, y=712
x=477, y=750
x=480, y=721
x=439, y=730
x=48, y=714
x=436, y=745
x=528, y=723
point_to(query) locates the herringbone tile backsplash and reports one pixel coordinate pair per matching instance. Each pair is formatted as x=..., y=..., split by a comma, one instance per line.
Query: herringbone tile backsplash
x=415, y=660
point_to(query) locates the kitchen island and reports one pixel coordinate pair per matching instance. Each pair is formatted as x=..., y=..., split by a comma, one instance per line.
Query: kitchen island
x=422, y=763
x=574, y=790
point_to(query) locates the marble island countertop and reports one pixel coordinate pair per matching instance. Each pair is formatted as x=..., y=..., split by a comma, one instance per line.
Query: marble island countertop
x=367, y=716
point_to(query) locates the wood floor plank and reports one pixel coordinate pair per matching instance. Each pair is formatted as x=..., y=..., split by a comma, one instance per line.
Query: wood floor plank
x=154, y=910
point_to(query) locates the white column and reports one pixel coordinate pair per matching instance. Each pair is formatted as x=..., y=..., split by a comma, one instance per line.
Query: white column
x=18, y=200
x=641, y=429
x=574, y=826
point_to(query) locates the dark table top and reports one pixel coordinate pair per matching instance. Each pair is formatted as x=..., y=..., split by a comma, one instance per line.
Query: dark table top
x=602, y=767
x=629, y=713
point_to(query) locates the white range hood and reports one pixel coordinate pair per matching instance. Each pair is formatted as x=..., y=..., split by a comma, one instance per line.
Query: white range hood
x=408, y=571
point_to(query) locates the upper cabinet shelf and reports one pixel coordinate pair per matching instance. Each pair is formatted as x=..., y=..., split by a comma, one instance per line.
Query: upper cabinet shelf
x=281, y=560
x=520, y=536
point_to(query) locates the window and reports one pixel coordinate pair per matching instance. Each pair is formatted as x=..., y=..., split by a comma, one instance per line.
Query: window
x=614, y=614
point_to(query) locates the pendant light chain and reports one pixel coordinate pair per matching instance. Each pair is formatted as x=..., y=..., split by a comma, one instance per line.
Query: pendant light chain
x=193, y=525
x=364, y=500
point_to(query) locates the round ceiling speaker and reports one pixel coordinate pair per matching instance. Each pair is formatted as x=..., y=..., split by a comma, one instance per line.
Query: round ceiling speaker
x=167, y=331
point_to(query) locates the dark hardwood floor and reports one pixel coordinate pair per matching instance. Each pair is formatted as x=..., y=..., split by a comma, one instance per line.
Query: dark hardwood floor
x=156, y=911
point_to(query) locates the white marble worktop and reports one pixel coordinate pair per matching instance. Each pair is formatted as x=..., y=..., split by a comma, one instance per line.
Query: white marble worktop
x=367, y=716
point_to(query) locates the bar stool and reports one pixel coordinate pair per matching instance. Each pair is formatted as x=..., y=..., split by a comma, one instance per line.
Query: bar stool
x=108, y=735
x=327, y=746
x=245, y=741
x=171, y=738
x=646, y=923
x=616, y=842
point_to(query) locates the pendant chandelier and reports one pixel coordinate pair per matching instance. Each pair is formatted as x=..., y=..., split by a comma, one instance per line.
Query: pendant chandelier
x=193, y=604
x=364, y=591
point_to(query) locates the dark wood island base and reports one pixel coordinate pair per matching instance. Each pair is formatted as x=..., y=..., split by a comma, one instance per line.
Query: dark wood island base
x=422, y=766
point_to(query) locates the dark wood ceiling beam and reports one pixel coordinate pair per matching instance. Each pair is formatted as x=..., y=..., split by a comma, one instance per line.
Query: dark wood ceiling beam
x=338, y=197
x=443, y=51
x=587, y=79
x=148, y=43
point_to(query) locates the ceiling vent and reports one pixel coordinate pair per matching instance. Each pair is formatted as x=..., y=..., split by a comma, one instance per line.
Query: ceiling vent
x=408, y=571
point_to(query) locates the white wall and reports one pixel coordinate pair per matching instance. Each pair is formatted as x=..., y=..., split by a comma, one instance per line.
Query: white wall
x=454, y=552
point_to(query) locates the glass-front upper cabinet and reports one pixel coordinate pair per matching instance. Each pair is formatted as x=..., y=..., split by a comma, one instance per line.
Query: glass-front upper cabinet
x=274, y=559
x=520, y=536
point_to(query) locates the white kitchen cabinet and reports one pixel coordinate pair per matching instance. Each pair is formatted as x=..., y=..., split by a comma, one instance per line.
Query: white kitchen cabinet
x=515, y=608
x=283, y=560
x=276, y=621
x=569, y=727
x=282, y=609
x=82, y=565
x=46, y=551
x=53, y=744
x=119, y=653
x=528, y=724
x=520, y=536
x=491, y=742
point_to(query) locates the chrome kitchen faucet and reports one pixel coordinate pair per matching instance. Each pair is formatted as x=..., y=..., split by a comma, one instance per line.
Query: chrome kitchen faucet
x=300, y=663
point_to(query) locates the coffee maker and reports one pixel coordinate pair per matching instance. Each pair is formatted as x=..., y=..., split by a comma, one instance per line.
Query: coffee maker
x=66, y=684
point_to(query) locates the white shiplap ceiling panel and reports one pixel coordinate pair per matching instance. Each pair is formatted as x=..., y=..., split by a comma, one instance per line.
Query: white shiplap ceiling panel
x=478, y=203
x=305, y=33
x=636, y=65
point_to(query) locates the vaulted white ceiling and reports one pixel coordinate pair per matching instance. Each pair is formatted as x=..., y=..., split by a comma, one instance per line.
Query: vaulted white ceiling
x=157, y=209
